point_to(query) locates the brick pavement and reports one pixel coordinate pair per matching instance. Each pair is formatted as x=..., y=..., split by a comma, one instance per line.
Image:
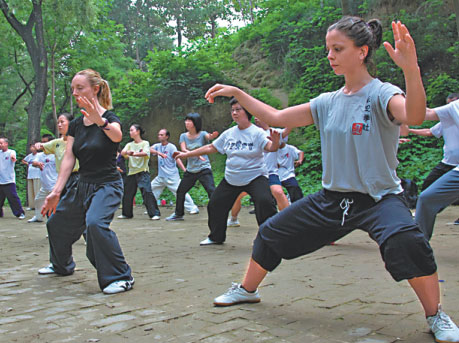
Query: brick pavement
x=340, y=294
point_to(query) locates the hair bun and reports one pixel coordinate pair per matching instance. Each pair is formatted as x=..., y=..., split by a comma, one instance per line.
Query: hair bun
x=376, y=27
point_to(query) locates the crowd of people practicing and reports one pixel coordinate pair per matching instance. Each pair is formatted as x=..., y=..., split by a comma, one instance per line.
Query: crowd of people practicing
x=79, y=180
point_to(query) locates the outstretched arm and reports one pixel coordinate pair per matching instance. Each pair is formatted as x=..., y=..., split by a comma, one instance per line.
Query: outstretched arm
x=290, y=117
x=421, y=132
x=411, y=109
x=204, y=150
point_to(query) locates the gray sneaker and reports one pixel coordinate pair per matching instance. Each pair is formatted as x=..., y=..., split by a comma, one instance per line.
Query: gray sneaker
x=174, y=217
x=236, y=295
x=442, y=327
x=47, y=270
x=119, y=286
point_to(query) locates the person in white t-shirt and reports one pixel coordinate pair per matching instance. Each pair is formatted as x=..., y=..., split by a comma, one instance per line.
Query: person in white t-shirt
x=451, y=147
x=245, y=171
x=436, y=196
x=359, y=128
x=8, y=180
x=48, y=178
x=290, y=157
x=272, y=166
x=168, y=175
x=33, y=176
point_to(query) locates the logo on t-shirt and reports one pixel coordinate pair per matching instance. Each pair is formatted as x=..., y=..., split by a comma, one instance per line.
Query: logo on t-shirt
x=357, y=128
x=239, y=145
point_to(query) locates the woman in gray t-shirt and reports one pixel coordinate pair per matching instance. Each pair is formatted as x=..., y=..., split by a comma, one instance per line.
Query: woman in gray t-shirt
x=197, y=168
x=359, y=127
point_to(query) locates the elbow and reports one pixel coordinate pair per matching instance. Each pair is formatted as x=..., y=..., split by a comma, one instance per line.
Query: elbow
x=415, y=122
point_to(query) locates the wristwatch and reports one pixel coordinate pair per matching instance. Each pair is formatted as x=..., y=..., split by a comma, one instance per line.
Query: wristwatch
x=104, y=126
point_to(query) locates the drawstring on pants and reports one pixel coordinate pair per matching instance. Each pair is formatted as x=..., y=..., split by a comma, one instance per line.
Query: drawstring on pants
x=345, y=206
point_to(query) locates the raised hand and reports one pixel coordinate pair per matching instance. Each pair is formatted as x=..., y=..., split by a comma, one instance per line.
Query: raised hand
x=213, y=135
x=90, y=110
x=219, y=90
x=274, y=136
x=404, y=54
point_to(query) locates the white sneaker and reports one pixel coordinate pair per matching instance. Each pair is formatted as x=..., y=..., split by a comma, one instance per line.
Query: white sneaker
x=122, y=217
x=236, y=295
x=194, y=211
x=119, y=286
x=442, y=327
x=34, y=219
x=22, y=216
x=155, y=218
x=233, y=223
x=208, y=241
x=47, y=270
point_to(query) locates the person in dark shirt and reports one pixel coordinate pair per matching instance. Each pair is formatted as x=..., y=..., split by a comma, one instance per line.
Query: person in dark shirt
x=93, y=139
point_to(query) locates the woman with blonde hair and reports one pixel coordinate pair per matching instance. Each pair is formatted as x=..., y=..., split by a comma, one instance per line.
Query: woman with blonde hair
x=94, y=139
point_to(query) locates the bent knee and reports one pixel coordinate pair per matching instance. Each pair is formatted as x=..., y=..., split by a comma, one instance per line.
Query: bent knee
x=407, y=255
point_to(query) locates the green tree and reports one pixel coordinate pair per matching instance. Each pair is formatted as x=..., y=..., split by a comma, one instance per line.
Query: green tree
x=144, y=28
x=32, y=33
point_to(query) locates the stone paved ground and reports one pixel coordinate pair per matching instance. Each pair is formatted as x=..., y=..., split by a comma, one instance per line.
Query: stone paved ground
x=339, y=294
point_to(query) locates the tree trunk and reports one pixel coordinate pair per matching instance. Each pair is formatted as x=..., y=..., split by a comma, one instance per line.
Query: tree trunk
x=179, y=33
x=456, y=10
x=32, y=34
x=53, y=90
x=213, y=26
x=346, y=6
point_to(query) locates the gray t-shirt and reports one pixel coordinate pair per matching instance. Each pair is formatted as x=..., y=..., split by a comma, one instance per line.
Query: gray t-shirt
x=359, y=142
x=195, y=164
x=167, y=167
x=244, y=151
x=449, y=129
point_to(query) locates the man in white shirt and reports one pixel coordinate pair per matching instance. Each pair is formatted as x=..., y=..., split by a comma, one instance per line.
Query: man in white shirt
x=8, y=180
x=168, y=175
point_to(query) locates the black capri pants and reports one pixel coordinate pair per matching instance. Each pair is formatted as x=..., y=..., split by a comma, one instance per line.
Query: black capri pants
x=222, y=200
x=324, y=217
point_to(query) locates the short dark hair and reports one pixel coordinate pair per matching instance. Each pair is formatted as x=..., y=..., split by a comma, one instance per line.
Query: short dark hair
x=66, y=115
x=168, y=134
x=139, y=128
x=196, y=119
x=234, y=101
x=360, y=32
x=452, y=96
x=47, y=136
